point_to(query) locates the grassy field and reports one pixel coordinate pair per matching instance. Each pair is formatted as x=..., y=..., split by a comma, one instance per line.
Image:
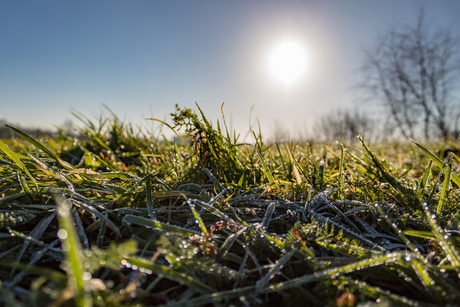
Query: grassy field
x=118, y=217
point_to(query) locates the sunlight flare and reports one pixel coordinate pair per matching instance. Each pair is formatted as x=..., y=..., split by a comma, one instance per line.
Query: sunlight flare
x=287, y=62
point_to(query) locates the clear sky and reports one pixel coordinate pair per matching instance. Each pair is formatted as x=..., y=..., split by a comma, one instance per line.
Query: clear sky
x=140, y=57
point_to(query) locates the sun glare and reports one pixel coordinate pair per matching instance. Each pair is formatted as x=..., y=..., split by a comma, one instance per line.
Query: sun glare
x=287, y=62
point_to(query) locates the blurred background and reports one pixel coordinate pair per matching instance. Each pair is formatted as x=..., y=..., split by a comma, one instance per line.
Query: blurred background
x=382, y=68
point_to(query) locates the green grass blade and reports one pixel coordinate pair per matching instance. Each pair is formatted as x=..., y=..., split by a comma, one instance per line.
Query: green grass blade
x=213, y=210
x=439, y=163
x=445, y=187
x=384, y=174
x=430, y=236
x=170, y=273
x=132, y=219
x=197, y=217
x=266, y=170
x=330, y=273
x=379, y=293
x=72, y=250
x=420, y=268
x=16, y=160
x=426, y=174
x=341, y=170
x=37, y=144
x=442, y=238
x=25, y=186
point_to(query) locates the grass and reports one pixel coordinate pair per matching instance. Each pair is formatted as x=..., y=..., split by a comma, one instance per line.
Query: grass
x=118, y=217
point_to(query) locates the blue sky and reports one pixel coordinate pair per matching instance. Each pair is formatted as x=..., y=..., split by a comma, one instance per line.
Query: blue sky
x=140, y=58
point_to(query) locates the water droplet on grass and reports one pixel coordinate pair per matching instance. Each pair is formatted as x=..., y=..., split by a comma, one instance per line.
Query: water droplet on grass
x=87, y=276
x=62, y=234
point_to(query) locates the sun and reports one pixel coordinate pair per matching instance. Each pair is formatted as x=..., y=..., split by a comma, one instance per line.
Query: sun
x=287, y=62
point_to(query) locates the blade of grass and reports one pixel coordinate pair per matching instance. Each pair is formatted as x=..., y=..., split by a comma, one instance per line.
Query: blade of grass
x=132, y=219
x=261, y=283
x=426, y=174
x=25, y=186
x=342, y=175
x=445, y=187
x=266, y=170
x=298, y=180
x=148, y=202
x=72, y=250
x=292, y=283
x=268, y=215
x=36, y=234
x=429, y=235
x=228, y=244
x=197, y=217
x=16, y=160
x=438, y=162
x=37, y=144
x=171, y=273
x=442, y=238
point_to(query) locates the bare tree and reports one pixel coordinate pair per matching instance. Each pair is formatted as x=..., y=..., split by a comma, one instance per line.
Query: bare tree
x=344, y=125
x=413, y=72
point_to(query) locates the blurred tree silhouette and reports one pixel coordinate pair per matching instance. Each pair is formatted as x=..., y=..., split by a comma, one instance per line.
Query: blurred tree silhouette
x=413, y=71
x=344, y=125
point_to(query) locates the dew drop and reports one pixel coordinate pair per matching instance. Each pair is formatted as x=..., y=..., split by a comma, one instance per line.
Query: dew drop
x=408, y=258
x=262, y=236
x=109, y=283
x=87, y=276
x=62, y=234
